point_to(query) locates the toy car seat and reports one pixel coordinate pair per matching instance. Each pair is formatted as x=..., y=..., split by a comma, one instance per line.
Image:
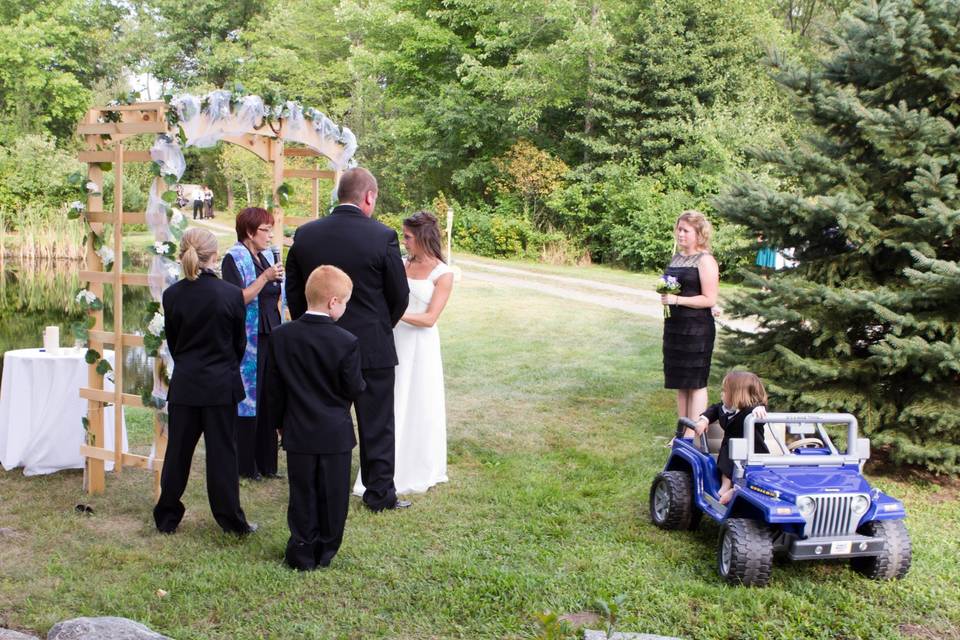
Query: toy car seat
x=774, y=436
x=714, y=438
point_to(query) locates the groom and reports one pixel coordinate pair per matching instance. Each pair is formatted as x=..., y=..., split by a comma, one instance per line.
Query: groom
x=368, y=251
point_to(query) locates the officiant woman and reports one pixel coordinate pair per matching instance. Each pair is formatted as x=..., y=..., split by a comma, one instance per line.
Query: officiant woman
x=249, y=264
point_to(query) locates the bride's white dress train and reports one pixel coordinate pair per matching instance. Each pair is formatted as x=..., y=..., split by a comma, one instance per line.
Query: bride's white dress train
x=418, y=398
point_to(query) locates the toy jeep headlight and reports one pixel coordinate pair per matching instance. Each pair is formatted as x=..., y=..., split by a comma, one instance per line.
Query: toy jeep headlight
x=806, y=506
x=860, y=504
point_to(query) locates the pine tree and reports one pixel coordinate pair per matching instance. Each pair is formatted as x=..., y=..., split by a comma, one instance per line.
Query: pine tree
x=868, y=320
x=678, y=58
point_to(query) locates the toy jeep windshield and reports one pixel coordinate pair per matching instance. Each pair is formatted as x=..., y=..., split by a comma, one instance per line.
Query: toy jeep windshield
x=805, y=500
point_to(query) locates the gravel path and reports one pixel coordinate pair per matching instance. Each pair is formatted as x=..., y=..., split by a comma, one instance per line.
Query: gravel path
x=611, y=296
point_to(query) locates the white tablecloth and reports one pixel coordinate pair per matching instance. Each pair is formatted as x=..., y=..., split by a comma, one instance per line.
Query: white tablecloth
x=41, y=411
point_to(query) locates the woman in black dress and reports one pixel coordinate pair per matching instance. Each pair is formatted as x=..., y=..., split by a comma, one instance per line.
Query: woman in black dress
x=203, y=319
x=689, y=332
x=249, y=265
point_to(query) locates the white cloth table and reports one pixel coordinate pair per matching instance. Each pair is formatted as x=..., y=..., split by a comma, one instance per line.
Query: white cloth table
x=41, y=411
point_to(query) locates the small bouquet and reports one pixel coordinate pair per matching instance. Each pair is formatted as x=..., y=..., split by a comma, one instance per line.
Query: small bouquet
x=666, y=285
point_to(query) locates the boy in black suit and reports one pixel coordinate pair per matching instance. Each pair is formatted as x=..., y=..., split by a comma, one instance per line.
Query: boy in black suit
x=313, y=370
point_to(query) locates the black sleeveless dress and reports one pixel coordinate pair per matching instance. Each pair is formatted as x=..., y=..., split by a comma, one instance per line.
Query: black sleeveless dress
x=688, y=333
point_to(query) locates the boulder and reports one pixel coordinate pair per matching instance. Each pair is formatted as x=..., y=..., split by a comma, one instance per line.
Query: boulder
x=10, y=634
x=107, y=628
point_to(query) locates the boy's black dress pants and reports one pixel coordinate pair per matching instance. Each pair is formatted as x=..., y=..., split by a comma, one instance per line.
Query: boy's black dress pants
x=317, y=512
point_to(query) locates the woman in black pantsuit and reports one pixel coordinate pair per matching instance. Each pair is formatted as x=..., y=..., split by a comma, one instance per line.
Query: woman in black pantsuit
x=689, y=332
x=203, y=320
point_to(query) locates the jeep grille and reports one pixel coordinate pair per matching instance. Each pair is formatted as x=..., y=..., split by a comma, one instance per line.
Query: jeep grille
x=833, y=517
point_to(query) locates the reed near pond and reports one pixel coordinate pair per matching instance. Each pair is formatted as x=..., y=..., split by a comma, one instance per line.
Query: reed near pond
x=41, y=235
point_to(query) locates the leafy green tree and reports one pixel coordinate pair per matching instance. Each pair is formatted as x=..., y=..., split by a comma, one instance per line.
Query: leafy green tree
x=532, y=174
x=298, y=50
x=247, y=175
x=679, y=59
x=418, y=123
x=201, y=41
x=33, y=171
x=802, y=17
x=52, y=56
x=867, y=322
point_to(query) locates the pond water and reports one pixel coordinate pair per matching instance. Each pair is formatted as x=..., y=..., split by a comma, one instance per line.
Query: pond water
x=37, y=294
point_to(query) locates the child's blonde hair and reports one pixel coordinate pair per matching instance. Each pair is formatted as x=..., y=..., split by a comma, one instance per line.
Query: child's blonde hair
x=700, y=224
x=326, y=282
x=197, y=247
x=742, y=389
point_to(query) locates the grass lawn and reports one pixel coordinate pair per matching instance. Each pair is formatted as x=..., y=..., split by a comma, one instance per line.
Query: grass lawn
x=557, y=425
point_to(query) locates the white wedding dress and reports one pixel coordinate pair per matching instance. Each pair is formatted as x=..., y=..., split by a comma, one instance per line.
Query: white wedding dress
x=419, y=407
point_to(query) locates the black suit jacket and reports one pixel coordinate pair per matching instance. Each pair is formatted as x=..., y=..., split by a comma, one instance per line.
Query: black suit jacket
x=369, y=253
x=206, y=335
x=732, y=425
x=313, y=373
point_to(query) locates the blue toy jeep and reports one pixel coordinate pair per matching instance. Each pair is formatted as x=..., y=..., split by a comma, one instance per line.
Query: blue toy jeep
x=804, y=500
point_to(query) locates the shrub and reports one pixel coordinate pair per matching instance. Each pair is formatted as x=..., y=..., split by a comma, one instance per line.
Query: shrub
x=486, y=232
x=33, y=173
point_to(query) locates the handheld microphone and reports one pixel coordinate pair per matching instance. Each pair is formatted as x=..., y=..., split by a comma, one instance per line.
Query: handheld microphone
x=275, y=250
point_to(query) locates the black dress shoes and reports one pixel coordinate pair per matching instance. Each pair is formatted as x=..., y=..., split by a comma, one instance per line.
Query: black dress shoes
x=399, y=504
x=273, y=476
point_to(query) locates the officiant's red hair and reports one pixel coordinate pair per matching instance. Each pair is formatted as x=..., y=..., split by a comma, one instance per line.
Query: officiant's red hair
x=251, y=219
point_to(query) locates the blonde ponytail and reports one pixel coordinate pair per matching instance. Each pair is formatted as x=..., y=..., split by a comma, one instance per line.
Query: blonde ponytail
x=197, y=247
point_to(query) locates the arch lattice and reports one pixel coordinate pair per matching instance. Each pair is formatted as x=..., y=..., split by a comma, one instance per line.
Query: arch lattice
x=104, y=131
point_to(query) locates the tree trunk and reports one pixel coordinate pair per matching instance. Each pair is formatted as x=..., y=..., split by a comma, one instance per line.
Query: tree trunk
x=588, y=103
x=229, y=195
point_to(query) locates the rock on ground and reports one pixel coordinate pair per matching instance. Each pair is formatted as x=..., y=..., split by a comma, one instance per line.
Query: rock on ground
x=10, y=634
x=107, y=628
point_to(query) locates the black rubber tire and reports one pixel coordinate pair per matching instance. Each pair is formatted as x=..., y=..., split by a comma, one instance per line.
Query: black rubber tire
x=695, y=515
x=748, y=560
x=673, y=508
x=893, y=563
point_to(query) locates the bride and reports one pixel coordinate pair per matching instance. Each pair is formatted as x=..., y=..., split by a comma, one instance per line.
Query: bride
x=418, y=400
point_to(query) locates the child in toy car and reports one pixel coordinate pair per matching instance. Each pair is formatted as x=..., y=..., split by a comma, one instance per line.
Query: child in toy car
x=741, y=394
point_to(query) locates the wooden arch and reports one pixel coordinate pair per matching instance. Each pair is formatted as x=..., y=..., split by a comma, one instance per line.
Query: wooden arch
x=104, y=131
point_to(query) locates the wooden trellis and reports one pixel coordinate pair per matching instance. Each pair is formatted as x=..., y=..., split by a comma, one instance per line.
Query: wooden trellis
x=104, y=130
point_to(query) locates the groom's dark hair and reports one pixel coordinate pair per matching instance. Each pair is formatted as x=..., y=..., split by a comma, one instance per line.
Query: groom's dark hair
x=354, y=184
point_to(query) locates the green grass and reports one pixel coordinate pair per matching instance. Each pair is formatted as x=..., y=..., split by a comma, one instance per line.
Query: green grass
x=557, y=424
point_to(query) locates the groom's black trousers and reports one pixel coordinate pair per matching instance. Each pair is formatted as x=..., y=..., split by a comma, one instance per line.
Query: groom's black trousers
x=375, y=426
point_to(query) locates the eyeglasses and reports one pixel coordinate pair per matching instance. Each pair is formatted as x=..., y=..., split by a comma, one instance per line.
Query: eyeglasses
x=265, y=229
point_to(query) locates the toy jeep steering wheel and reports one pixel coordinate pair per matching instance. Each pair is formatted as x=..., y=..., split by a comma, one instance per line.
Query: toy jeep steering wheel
x=805, y=443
